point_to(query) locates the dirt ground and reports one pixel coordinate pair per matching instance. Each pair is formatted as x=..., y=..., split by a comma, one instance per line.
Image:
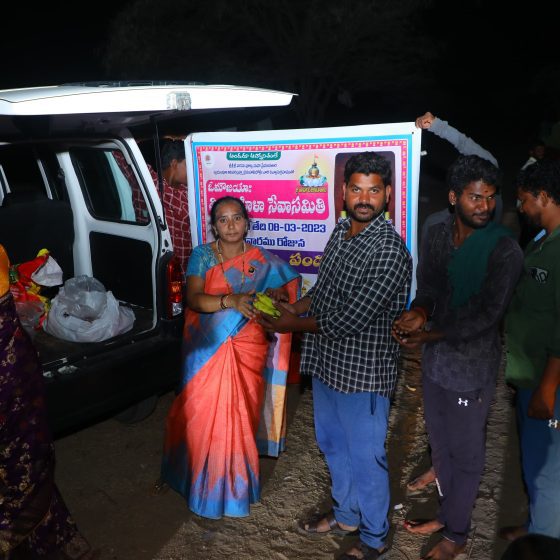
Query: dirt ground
x=106, y=475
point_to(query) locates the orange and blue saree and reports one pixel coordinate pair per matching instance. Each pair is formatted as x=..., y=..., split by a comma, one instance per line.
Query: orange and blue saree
x=233, y=388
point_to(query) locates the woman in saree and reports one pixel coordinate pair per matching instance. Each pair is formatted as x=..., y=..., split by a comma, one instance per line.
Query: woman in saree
x=34, y=521
x=234, y=377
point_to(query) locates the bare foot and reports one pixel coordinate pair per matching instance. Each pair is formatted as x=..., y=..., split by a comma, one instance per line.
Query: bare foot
x=445, y=550
x=327, y=524
x=422, y=526
x=420, y=482
x=512, y=533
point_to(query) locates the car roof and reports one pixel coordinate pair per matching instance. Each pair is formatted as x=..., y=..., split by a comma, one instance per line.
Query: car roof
x=105, y=106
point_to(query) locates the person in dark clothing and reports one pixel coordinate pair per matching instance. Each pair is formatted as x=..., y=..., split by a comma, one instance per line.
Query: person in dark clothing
x=532, y=335
x=466, y=274
x=34, y=520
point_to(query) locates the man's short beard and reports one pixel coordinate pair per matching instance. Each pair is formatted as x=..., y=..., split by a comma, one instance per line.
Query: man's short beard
x=356, y=218
x=467, y=220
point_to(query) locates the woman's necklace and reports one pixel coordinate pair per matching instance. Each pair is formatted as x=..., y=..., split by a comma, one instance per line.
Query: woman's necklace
x=219, y=249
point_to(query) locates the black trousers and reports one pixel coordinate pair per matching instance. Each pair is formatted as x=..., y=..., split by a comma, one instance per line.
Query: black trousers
x=456, y=424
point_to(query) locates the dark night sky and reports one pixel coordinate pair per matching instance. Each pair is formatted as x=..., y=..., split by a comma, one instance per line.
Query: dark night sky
x=483, y=84
x=54, y=42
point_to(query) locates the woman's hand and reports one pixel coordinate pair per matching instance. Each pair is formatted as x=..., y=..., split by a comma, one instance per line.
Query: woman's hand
x=243, y=303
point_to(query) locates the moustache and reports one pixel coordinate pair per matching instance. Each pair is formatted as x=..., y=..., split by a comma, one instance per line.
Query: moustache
x=364, y=206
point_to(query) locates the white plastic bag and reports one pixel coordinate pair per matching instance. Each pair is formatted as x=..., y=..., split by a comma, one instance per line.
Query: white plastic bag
x=83, y=311
x=49, y=274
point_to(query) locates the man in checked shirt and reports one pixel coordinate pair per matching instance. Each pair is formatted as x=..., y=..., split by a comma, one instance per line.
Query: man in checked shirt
x=175, y=197
x=362, y=286
x=174, y=191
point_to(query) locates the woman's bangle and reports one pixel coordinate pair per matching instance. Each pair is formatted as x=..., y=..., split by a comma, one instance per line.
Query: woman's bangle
x=223, y=301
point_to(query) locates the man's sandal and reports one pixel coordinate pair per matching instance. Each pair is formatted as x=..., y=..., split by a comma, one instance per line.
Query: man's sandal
x=367, y=552
x=311, y=526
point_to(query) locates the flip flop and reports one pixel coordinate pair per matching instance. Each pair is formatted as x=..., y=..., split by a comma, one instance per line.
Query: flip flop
x=334, y=527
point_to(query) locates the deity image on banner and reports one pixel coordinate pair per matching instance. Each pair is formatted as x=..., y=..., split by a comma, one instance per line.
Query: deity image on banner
x=313, y=178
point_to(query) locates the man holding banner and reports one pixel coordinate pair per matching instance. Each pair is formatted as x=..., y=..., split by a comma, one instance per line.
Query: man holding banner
x=363, y=284
x=466, y=274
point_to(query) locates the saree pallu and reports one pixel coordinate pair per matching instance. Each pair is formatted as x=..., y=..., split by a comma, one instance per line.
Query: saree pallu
x=32, y=513
x=233, y=386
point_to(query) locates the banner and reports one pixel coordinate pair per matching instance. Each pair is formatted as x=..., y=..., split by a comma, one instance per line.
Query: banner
x=291, y=183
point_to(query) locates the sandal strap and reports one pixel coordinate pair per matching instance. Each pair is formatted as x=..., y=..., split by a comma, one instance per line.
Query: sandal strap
x=368, y=552
x=331, y=520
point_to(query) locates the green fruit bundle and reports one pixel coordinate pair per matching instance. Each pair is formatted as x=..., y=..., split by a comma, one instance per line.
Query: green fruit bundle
x=265, y=304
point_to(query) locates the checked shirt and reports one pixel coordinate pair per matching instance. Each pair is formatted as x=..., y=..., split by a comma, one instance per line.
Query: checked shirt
x=362, y=287
x=175, y=203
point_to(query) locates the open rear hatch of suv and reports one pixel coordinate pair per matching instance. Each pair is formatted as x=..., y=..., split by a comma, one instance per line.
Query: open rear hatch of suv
x=74, y=181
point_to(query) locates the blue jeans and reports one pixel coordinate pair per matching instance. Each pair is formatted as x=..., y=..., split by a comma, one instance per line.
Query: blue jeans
x=351, y=429
x=540, y=457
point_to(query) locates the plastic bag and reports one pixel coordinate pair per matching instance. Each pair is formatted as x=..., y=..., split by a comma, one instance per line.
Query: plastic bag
x=83, y=297
x=26, y=281
x=83, y=311
x=30, y=313
x=48, y=274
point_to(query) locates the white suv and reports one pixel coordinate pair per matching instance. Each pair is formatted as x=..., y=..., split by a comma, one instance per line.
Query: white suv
x=69, y=167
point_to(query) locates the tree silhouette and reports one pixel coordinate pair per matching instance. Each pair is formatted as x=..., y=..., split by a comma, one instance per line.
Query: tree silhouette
x=326, y=51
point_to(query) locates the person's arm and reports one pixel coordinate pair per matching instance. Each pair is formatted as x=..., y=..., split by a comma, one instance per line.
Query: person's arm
x=486, y=309
x=290, y=319
x=430, y=272
x=388, y=271
x=542, y=401
x=199, y=301
x=462, y=143
x=430, y=280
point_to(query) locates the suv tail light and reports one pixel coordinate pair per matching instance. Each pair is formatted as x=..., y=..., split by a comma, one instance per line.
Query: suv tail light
x=174, y=281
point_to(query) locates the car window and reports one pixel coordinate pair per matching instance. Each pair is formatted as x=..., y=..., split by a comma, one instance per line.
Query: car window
x=110, y=187
x=20, y=175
